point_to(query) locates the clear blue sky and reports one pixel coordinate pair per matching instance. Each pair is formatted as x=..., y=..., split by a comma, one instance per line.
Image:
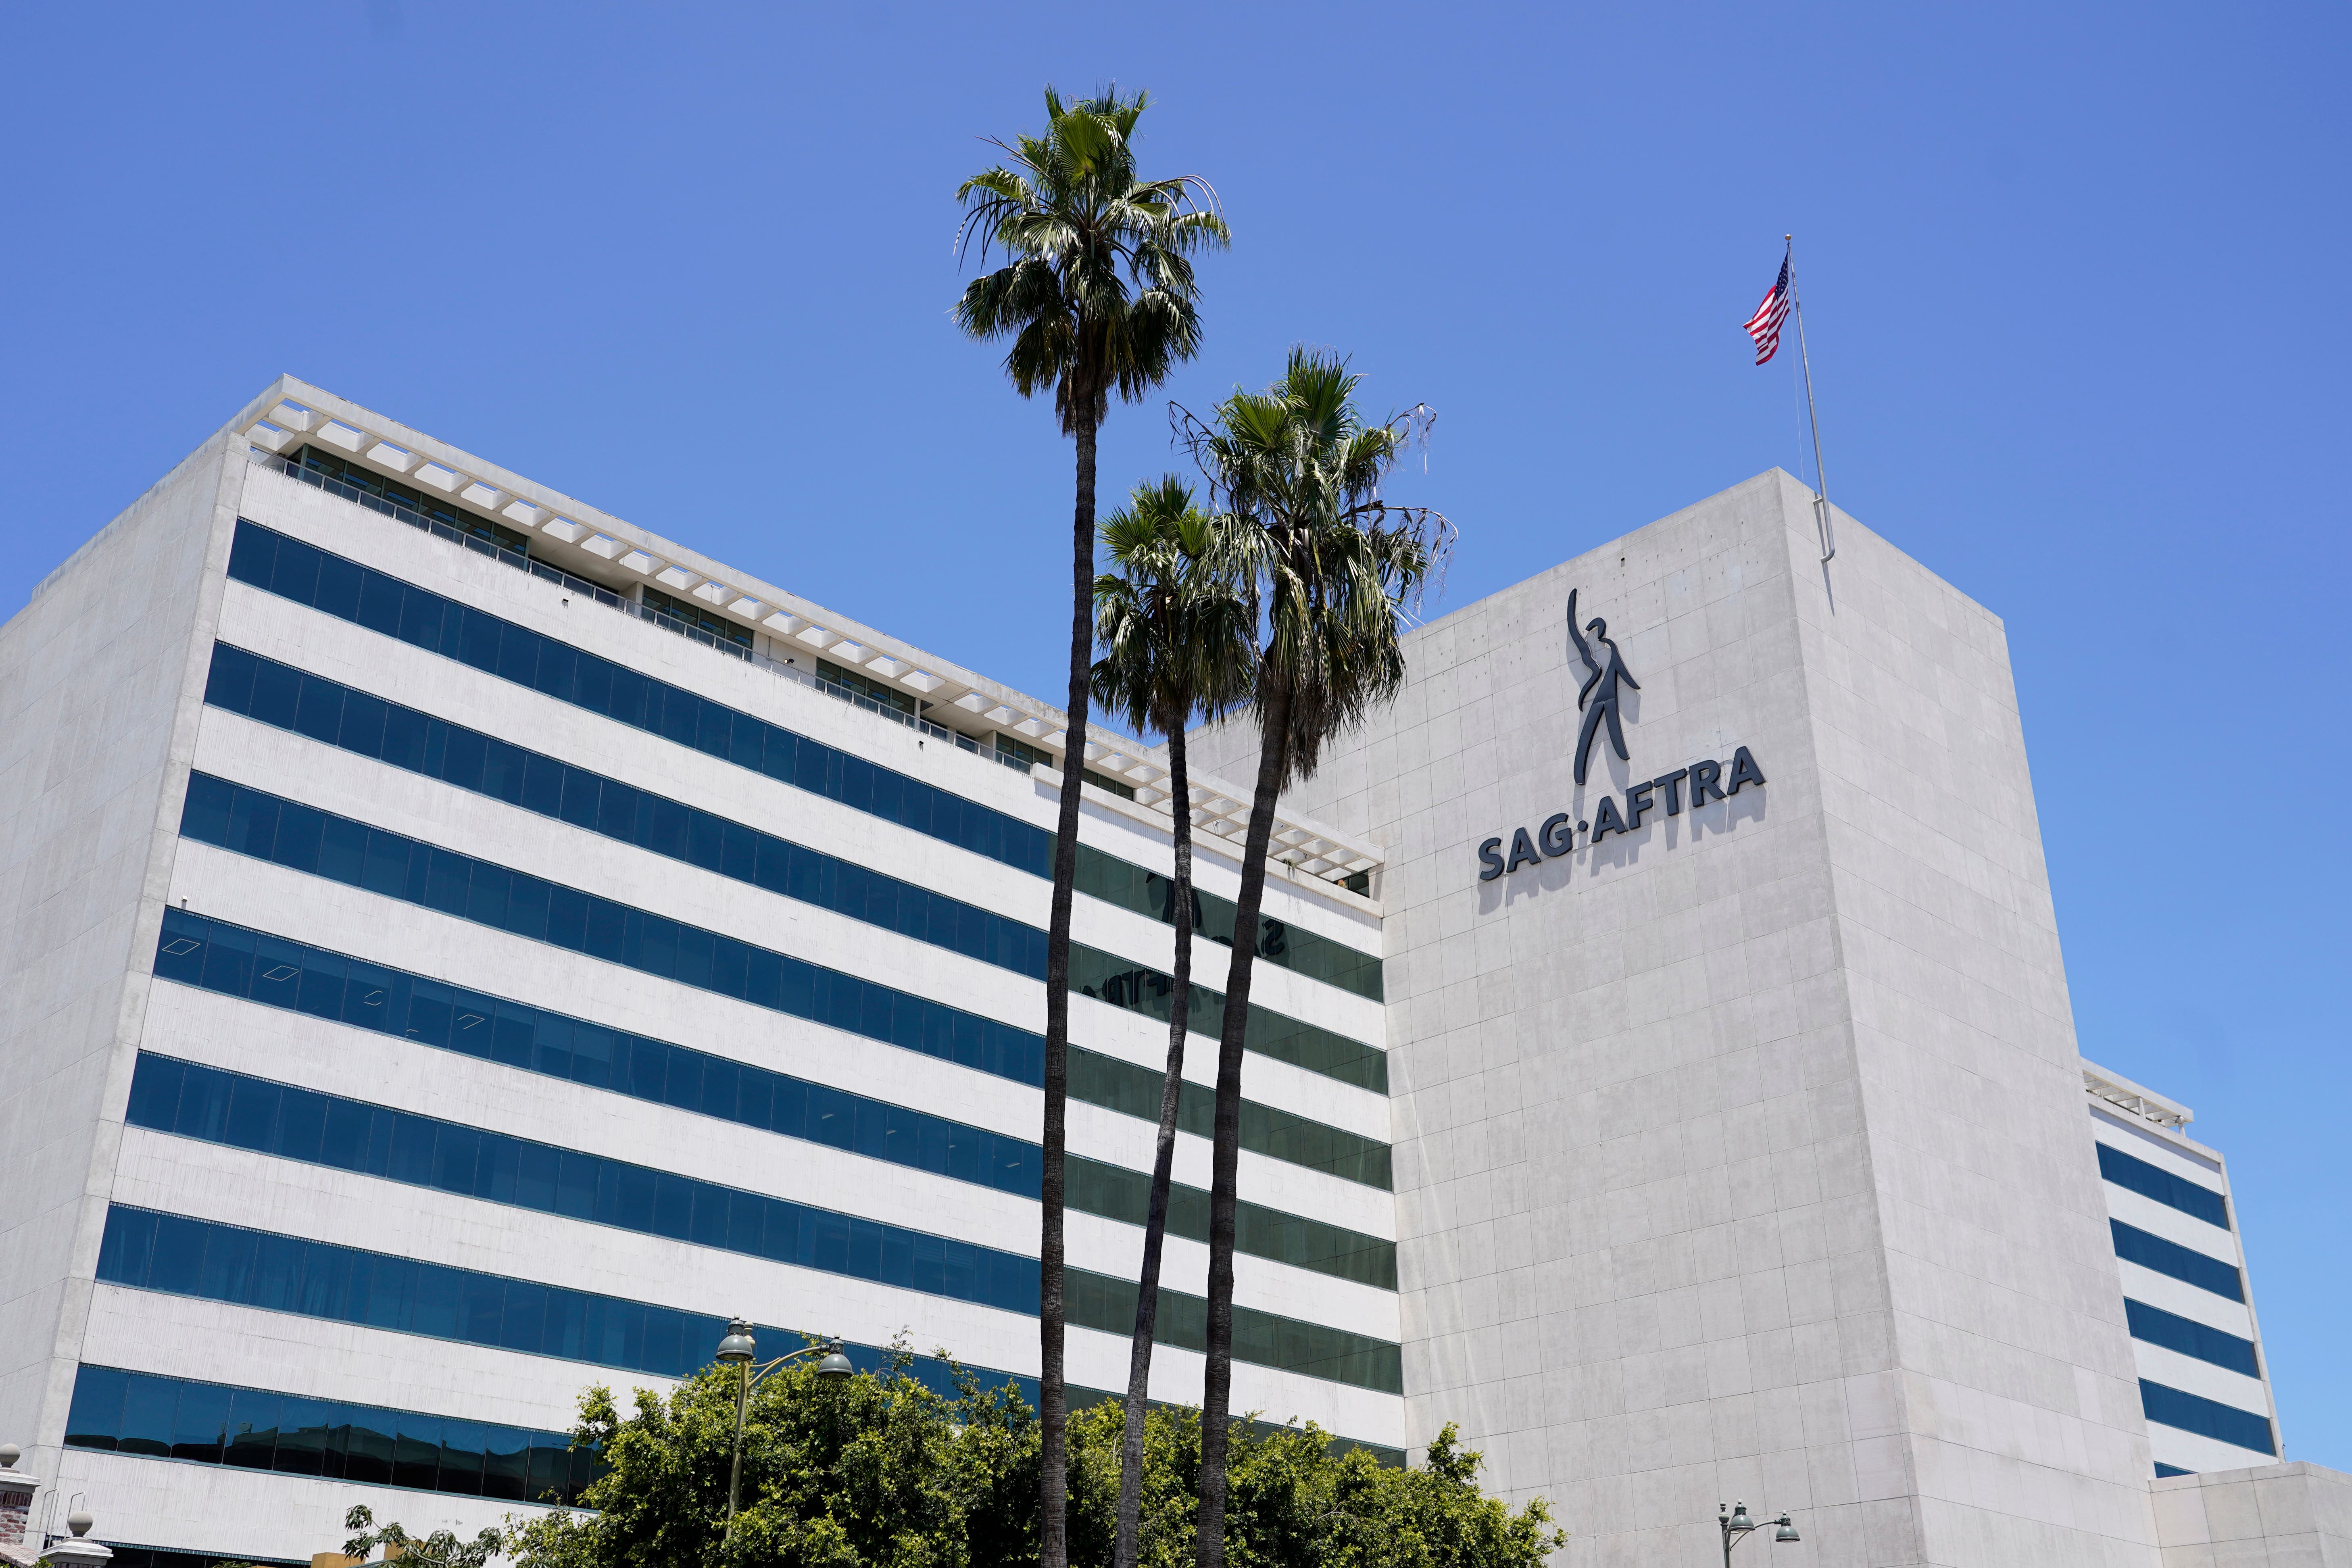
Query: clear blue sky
x=2077, y=289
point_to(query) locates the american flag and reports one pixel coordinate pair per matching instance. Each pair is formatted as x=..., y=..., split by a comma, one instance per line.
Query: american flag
x=1764, y=326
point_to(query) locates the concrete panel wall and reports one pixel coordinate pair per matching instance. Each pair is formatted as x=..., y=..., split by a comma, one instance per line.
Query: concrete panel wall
x=1640, y=1254
x=2273, y=1516
x=2017, y=1394
x=1741, y=1155
x=98, y=695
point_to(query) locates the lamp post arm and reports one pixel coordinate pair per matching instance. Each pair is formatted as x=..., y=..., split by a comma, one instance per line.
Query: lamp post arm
x=764, y=1368
x=749, y=1376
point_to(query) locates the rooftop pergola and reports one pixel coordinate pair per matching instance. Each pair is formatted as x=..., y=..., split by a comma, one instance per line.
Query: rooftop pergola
x=601, y=548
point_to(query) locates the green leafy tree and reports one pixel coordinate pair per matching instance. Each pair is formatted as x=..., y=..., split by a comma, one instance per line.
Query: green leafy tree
x=871, y=1471
x=1298, y=469
x=1098, y=298
x=1176, y=642
x=442, y=1549
x=878, y=1472
x=1298, y=1500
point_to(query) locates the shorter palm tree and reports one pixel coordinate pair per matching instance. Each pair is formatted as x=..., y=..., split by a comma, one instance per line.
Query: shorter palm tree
x=1175, y=633
x=1298, y=469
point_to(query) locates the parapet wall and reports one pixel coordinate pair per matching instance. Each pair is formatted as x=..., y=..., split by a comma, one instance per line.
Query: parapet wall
x=2267, y=1517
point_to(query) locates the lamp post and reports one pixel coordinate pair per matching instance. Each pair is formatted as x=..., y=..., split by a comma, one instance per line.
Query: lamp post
x=739, y=1350
x=1736, y=1524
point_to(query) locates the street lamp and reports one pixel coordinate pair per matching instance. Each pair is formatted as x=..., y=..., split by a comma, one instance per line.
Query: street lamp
x=1736, y=1524
x=739, y=1350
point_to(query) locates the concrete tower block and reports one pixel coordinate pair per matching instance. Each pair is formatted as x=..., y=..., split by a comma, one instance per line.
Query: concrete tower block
x=1742, y=1153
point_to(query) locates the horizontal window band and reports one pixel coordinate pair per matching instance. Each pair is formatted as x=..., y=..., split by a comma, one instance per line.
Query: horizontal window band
x=2207, y=1417
x=140, y=1413
x=2185, y=1264
x=2191, y=1199
x=237, y=1110
x=294, y=569
x=1115, y=1085
x=186, y=1420
x=1117, y=1193
x=278, y=972
x=2190, y=1337
x=289, y=699
x=1104, y=876
x=248, y=821
x=145, y=1249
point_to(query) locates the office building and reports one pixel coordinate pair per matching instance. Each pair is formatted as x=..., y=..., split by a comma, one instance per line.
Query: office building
x=2204, y=1382
x=462, y=946
x=465, y=947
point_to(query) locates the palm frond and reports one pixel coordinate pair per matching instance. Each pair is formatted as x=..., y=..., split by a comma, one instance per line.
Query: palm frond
x=1173, y=622
x=1334, y=567
x=1117, y=247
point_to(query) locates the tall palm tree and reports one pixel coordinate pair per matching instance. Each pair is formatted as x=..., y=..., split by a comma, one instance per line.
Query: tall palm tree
x=1176, y=637
x=1097, y=297
x=1333, y=569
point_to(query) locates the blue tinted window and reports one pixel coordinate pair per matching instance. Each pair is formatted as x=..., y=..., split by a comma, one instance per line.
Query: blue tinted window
x=633, y=1197
x=367, y=1451
x=95, y=1420
x=572, y=676
x=650, y=944
x=462, y=1446
x=307, y=1438
x=2153, y=1182
x=252, y=1429
x=150, y=1407
x=2207, y=1417
x=488, y=765
x=176, y=1259
x=2184, y=1264
x=2190, y=1337
x=200, y=1422
x=506, y=1466
x=260, y=1429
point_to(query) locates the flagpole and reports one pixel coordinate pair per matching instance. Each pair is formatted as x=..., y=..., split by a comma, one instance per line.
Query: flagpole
x=1821, y=481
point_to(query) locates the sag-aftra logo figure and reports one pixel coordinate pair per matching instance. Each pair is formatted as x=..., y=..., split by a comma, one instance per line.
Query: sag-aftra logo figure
x=1564, y=833
x=1600, y=695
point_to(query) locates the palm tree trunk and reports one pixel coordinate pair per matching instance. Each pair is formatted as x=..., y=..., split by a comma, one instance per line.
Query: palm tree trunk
x=1164, y=1167
x=1217, y=1382
x=1053, y=1399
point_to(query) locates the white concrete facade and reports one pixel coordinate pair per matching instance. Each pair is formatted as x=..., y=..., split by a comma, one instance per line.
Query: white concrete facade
x=1741, y=1154
x=105, y=673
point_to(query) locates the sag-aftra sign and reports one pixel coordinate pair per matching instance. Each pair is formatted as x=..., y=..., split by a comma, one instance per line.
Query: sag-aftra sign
x=1601, y=699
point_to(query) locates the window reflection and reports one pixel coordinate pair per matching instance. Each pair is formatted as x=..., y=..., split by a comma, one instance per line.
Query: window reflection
x=117, y=1410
